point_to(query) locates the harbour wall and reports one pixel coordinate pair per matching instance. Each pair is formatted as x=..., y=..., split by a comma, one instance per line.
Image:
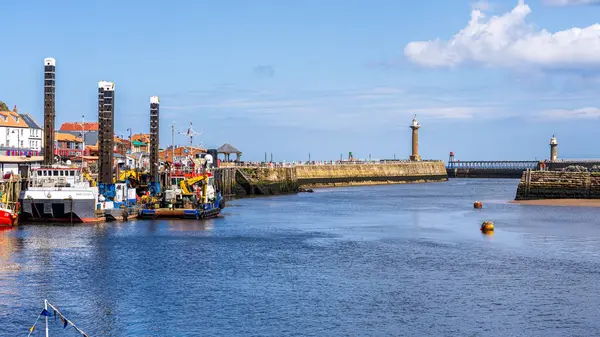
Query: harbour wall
x=246, y=181
x=312, y=176
x=558, y=185
x=561, y=165
x=484, y=173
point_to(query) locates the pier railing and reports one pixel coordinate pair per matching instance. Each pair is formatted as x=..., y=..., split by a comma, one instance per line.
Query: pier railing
x=493, y=164
x=319, y=163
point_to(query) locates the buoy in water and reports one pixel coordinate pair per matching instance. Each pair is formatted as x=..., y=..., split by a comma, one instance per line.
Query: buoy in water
x=487, y=226
x=477, y=204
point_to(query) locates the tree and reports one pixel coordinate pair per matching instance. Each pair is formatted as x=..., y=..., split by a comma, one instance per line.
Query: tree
x=3, y=106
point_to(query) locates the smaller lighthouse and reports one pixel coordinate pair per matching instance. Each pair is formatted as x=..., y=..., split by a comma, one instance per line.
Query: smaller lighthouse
x=553, y=149
x=415, y=140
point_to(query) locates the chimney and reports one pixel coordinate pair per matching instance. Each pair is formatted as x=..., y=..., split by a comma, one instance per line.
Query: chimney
x=15, y=110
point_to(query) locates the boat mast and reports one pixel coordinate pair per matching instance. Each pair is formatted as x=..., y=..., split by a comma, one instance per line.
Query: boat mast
x=82, y=140
x=46, y=317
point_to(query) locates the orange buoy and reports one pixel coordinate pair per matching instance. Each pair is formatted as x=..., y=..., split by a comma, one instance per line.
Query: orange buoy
x=487, y=226
x=477, y=204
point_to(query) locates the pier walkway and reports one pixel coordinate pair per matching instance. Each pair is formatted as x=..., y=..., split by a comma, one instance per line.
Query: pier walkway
x=489, y=168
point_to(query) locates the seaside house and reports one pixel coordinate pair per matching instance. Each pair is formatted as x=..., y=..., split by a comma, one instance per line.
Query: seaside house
x=20, y=134
x=182, y=153
x=67, y=146
x=89, y=129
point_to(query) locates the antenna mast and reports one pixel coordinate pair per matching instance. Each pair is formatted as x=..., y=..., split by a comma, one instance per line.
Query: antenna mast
x=190, y=133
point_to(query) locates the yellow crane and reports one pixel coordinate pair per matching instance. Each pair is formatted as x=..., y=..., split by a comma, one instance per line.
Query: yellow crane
x=186, y=184
x=88, y=177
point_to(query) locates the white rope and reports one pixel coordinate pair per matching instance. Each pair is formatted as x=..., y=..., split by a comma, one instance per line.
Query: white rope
x=34, y=323
x=68, y=320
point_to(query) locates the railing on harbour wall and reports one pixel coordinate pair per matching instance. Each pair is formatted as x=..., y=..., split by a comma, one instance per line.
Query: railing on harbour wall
x=493, y=164
x=319, y=163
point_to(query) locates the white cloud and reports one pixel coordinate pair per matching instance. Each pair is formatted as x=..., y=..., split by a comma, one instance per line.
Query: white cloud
x=572, y=2
x=582, y=113
x=509, y=41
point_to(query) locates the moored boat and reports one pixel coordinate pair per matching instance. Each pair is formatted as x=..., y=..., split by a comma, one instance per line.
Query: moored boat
x=64, y=195
x=59, y=194
x=8, y=217
x=191, y=196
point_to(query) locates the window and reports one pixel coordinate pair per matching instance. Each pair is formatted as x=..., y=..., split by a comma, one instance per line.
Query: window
x=60, y=173
x=55, y=173
x=21, y=143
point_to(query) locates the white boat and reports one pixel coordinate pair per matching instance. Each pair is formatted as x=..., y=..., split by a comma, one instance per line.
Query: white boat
x=63, y=194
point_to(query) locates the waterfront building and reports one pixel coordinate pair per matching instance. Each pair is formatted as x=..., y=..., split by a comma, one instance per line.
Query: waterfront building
x=88, y=129
x=18, y=164
x=140, y=142
x=180, y=153
x=20, y=134
x=67, y=146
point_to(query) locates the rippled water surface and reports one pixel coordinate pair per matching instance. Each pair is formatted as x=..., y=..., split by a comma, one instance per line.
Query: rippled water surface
x=363, y=261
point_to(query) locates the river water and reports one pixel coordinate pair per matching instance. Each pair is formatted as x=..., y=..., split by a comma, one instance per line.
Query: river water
x=401, y=260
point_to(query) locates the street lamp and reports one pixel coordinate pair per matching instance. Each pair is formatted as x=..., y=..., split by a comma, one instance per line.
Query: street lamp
x=130, y=140
x=82, y=139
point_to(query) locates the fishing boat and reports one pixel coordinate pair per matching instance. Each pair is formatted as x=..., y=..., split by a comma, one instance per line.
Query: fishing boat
x=61, y=194
x=8, y=216
x=9, y=208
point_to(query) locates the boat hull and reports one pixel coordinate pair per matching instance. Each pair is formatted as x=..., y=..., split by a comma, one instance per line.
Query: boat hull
x=7, y=218
x=179, y=213
x=61, y=210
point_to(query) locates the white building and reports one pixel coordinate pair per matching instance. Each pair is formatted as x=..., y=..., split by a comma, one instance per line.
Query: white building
x=19, y=133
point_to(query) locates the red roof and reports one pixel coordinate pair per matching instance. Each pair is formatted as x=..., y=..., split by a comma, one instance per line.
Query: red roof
x=76, y=126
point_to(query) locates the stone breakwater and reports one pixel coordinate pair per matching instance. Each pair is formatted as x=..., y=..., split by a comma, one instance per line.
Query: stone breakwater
x=246, y=181
x=558, y=185
x=371, y=174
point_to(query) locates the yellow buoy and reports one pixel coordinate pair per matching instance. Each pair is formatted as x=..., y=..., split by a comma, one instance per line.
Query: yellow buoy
x=487, y=226
x=477, y=204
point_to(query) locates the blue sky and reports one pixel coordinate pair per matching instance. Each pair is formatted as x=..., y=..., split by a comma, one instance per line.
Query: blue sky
x=487, y=80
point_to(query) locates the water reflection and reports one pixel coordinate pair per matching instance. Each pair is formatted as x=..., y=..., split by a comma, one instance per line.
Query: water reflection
x=10, y=245
x=191, y=226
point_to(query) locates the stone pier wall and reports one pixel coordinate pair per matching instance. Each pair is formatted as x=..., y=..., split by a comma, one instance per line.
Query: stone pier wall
x=244, y=181
x=558, y=185
x=370, y=174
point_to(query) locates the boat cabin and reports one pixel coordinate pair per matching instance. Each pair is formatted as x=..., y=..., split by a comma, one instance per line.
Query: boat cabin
x=55, y=176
